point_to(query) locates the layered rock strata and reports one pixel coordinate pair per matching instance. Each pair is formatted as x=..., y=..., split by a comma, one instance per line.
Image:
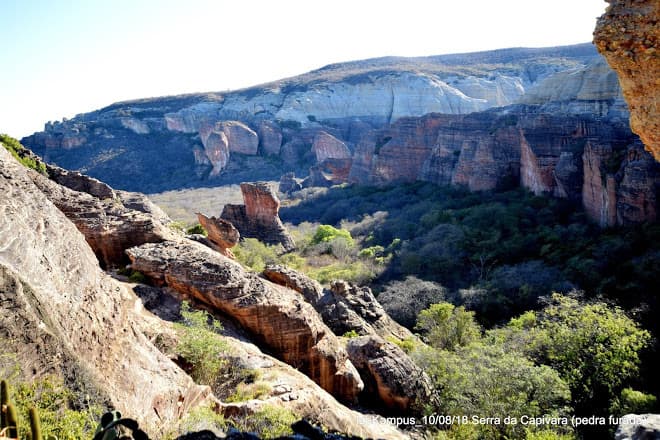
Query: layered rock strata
x=627, y=35
x=390, y=375
x=108, y=226
x=344, y=307
x=259, y=217
x=274, y=315
x=78, y=319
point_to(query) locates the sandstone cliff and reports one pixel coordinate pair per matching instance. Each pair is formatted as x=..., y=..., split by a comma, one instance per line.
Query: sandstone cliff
x=289, y=125
x=627, y=35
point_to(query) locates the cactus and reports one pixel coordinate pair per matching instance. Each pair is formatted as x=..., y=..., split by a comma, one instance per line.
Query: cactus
x=35, y=424
x=11, y=421
x=4, y=401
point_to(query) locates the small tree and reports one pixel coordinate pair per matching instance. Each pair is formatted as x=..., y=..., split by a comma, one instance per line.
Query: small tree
x=448, y=327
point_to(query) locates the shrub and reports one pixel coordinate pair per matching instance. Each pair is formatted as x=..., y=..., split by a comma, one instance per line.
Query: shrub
x=633, y=402
x=268, y=422
x=203, y=418
x=54, y=403
x=404, y=300
x=200, y=345
x=254, y=254
x=137, y=277
x=197, y=229
x=249, y=391
x=327, y=233
x=351, y=334
x=448, y=327
x=22, y=154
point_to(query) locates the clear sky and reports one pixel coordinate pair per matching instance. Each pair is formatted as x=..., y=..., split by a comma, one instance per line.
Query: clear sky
x=63, y=57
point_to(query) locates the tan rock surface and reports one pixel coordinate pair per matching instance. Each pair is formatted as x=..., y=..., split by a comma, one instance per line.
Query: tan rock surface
x=390, y=375
x=627, y=35
x=69, y=303
x=274, y=315
x=222, y=233
x=326, y=146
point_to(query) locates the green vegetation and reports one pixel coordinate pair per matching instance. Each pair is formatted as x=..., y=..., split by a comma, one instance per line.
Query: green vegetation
x=571, y=357
x=268, y=422
x=197, y=229
x=22, y=154
x=249, y=391
x=201, y=346
x=45, y=408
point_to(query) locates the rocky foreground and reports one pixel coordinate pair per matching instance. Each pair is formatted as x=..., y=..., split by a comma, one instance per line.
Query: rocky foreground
x=62, y=314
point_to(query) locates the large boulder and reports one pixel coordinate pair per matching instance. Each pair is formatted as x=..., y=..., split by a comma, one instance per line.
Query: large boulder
x=221, y=233
x=259, y=216
x=627, y=35
x=391, y=377
x=274, y=315
x=108, y=226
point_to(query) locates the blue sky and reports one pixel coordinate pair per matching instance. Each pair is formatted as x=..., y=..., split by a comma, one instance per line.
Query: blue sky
x=60, y=58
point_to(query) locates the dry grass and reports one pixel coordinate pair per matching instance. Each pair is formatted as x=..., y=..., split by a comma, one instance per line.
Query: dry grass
x=181, y=205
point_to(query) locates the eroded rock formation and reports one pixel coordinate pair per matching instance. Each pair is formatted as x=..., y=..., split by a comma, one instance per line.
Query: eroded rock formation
x=63, y=315
x=344, y=307
x=108, y=226
x=259, y=217
x=390, y=375
x=221, y=233
x=284, y=323
x=627, y=35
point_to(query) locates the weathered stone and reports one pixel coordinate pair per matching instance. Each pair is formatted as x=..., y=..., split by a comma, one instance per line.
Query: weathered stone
x=220, y=232
x=242, y=139
x=270, y=138
x=326, y=146
x=108, y=226
x=80, y=182
x=289, y=183
x=344, y=307
x=627, y=35
x=391, y=377
x=259, y=217
x=274, y=315
x=329, y=172
x=64, y=314
x=639, y=427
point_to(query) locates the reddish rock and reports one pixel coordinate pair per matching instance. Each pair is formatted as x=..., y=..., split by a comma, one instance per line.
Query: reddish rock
x=108, y=226
x=259, y=217
x=627, y=35
x=635, y=203
x=391, y=377
x=270, y=138
x=326, y=146
x=329, y=172
x=599, y=189
x=222, y=233
x=275, y=316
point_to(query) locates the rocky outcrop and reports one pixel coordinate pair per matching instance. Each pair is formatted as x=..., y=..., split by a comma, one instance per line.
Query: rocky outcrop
x=329, y=172
x=638, y=427
x=289, y=183
x=391, y=377
x=221, y=233
x=80, y=182
x=109, y=227
x=620, y=186
x=344, y=307
x=63, y=315
x=274, y=315
x=627, y=35
x=242, y=139
x=270, y=138
x=259, y=217
x=326, y=146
